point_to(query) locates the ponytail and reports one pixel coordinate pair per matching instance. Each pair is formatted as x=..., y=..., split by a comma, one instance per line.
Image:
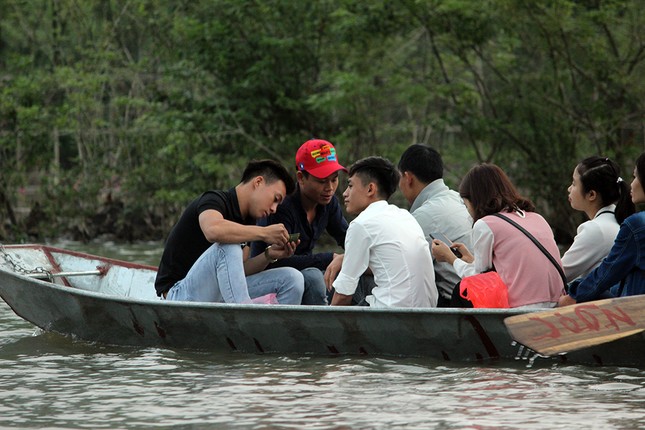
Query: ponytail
x=624, y=206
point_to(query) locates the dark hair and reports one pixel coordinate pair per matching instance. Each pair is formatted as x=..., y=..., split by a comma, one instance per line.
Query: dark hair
x=271, y=171
x=490, y=191
x=423, y=162
x=379, y=170
x=602, y=175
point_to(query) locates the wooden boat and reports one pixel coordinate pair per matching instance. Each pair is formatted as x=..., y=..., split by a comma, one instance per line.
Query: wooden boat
x=103, y=300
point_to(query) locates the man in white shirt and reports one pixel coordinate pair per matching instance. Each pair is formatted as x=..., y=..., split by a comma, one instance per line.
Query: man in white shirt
x=384, y=239
x=437, y=208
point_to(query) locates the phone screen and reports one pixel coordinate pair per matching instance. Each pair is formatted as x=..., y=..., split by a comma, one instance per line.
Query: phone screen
x=442, y=237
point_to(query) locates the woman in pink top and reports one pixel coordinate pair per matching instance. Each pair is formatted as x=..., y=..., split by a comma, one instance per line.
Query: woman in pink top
x=532, y=279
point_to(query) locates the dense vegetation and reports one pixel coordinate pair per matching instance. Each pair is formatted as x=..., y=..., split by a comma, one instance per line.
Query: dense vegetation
x=114, y=113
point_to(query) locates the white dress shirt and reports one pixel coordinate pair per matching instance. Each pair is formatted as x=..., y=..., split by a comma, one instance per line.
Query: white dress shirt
x=389, y=241
x=483, y=241
x=592, y=243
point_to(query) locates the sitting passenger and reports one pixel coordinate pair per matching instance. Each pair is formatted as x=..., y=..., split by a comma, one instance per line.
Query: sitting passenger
x=385, y=239
x=599, y=192
x=532, y=279
x=203, y=260
x=311, y=210
x=437, y=208
x=624, y=267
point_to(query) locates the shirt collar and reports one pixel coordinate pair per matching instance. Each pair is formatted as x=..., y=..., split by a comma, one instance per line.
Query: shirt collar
x=433, y=188
x=376, y=205
x=606, y=209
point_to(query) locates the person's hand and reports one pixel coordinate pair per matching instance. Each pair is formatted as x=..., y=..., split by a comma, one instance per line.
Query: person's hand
x=566, y=300
x=442, y=253
x=333, y=269
x=465, y=253
x=275, y=234
x=283, y=251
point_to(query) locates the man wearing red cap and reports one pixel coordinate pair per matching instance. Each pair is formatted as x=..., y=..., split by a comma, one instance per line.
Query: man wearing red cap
x=310, y=210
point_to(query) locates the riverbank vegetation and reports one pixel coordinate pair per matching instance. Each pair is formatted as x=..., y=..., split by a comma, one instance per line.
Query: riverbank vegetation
x=115, y=113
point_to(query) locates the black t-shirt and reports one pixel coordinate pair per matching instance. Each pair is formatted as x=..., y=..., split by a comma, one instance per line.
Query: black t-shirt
x=186, y=241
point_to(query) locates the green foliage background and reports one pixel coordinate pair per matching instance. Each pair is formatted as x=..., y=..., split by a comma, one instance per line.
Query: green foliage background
x=115, y=113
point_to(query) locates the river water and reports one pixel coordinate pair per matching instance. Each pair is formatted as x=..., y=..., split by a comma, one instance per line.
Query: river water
x=48, y=381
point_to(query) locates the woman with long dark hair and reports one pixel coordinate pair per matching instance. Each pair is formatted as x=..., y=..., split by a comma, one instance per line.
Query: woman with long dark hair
x=532, y=279
x=597, y=190
x=622, y=272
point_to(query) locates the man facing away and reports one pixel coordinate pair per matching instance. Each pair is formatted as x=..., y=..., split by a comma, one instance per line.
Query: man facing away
x=385, y=239
x=436, y=208
x=310, y=210
x=205, y=259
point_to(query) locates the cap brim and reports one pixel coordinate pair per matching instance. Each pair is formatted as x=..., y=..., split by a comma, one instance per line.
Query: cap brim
x=326, y=170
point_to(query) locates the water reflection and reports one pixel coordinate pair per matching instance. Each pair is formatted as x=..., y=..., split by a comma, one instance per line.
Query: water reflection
x=52, y=381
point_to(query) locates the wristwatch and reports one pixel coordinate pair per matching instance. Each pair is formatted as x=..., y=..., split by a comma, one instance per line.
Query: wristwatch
x=267, y=256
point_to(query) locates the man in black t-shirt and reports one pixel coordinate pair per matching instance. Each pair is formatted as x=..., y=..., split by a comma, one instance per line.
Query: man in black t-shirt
x=203, y=259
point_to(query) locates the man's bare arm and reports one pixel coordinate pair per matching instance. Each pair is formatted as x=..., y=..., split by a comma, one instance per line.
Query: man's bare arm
x=218, y=229
x=341, y=300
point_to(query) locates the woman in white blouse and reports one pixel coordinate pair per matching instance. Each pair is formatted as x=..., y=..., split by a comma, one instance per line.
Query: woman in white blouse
x=597, y=190
x=531, y=277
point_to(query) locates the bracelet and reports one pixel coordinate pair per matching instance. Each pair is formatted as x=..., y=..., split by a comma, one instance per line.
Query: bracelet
x=267, y=256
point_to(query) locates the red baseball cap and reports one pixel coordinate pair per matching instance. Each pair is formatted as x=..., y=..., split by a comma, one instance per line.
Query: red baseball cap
x=318, y=157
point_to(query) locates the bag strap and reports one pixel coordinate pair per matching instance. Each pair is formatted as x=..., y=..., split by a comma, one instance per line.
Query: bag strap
x=538, y=244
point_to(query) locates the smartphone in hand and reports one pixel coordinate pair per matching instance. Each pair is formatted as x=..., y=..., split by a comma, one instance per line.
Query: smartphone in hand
x=293, y=237
x=442, y=237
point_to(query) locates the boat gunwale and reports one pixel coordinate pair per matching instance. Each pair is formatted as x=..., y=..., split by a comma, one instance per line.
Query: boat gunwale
x=265, y=307
x=48, y=250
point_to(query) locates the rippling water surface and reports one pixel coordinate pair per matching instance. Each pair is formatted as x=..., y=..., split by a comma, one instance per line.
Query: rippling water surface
x=48, y=381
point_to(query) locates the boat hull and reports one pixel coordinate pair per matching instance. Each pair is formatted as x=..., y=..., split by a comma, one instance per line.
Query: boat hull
x=458, y=335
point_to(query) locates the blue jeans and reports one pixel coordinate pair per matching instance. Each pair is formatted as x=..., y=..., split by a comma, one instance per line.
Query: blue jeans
x=218, y=276
x=315, y=289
